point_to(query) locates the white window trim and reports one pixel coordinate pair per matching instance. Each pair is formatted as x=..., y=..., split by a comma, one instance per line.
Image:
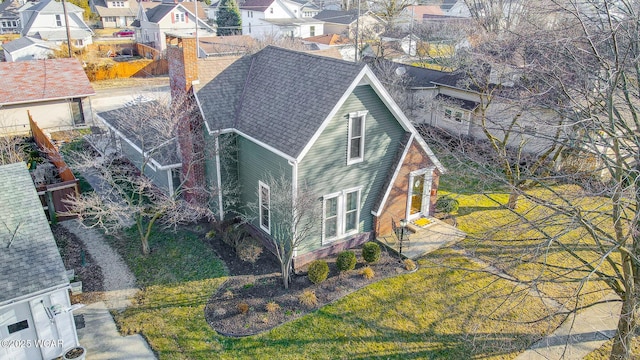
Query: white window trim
x=341, y=197
x=360, y=159
x=260, y=186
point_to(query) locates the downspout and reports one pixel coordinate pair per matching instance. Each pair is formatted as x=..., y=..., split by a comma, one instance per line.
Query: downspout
x=294, y=195
x=219, y=177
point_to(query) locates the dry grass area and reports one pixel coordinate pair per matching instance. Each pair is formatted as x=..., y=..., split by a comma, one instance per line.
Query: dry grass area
x=131, y=82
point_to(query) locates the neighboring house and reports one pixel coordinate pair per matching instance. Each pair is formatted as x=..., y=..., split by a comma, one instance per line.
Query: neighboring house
x=45, y=20
x=34, y=302
x=413, y=15
x=344, y=23
x=324, y=124
x=456, y=8
x=445, y=100
x=169, y=17
x=27, y=48
x=118, y=13
x=132, y=140
x=278, y=18
x=9, y=16
x=55, y=91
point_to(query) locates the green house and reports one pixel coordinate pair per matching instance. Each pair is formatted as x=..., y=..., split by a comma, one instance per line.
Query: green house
x=320, y=123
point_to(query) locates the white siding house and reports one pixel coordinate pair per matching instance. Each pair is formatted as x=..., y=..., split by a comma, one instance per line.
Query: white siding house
x=45, y=20
x=280, y=18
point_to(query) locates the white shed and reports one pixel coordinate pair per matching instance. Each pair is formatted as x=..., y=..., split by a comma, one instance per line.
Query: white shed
x=36, y=321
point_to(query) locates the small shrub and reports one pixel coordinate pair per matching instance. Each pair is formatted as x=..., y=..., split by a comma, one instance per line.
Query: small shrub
x=308, y=298
x=265, y=319
x=346, y=261
x=272, y=307
x=409, y=264
x=318, y=271
x=371, y=252
x=243, y=307
x=228, y=294
x=447, y=204
x=211, y=234
x=233, y=235
x=367, y=272
x=249, y=250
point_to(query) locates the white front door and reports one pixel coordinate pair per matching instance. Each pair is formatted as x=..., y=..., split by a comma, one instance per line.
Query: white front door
x=420, y=182
x=18, y=333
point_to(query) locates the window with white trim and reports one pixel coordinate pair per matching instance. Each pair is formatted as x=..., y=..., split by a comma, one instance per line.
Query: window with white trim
x=58, y=20
x=179, y=17
x=340, y=214
x=355, y=144
x=453, y=114
x=264, y=199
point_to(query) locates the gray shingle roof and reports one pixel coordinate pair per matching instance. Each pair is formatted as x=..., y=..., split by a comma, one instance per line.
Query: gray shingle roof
x=32, y=262
x=159, y=12
x=129, y=120
x=338, y=16
x=277, y=96
x=24, y=42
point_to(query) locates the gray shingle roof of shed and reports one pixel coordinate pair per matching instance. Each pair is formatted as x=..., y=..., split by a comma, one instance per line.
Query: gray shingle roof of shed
x=32, y=263
x=126, y=121
x=277, y=96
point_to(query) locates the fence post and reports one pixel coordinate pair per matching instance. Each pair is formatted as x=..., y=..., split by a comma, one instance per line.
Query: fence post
x=51, y=207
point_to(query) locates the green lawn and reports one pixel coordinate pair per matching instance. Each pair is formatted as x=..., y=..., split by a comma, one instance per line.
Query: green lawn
x=445, y=310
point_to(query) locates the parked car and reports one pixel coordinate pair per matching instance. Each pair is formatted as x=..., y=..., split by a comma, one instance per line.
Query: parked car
x=124, y=33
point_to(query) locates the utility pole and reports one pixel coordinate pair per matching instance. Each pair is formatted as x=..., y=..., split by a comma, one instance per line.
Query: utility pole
x=66, y=25
x=357, y=31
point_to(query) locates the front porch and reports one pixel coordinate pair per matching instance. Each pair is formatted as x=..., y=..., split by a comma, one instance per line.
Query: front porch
x=424, y=235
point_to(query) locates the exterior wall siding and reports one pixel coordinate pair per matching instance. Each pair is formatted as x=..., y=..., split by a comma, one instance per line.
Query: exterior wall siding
x=159, y=177
x=49, y=115
x=255, y=164
x=325, y=171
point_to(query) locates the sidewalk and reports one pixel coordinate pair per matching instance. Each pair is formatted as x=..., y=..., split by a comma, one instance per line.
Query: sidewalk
x=579, y=335
x=99, y=335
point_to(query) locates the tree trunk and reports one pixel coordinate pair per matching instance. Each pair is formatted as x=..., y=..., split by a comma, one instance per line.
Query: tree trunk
x=284, y=267
x=145, y=246
x=513, y=199
x=622, y=341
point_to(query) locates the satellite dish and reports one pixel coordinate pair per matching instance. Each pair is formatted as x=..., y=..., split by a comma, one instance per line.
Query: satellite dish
x=401, y=71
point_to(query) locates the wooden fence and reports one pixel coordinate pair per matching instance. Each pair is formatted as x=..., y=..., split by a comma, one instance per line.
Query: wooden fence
x=52, y=195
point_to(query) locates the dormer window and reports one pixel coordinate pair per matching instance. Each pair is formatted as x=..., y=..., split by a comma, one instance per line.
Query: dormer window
x=355, y=144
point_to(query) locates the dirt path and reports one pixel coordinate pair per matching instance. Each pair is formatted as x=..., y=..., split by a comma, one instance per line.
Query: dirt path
x=118, y=281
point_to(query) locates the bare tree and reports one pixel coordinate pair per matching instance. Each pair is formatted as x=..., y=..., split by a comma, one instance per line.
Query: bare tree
x=12, y=149
x=581, y=64
x=126, y=194
x=293, y=215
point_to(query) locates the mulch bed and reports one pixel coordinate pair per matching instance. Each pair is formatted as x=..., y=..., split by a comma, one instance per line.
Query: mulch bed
x=260, y=283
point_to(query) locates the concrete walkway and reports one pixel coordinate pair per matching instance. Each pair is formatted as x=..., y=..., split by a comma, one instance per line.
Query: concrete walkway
x=100, y=336
x=579, y=335
x=425, y=239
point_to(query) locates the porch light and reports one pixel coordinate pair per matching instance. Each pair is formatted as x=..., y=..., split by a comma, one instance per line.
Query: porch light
x=403, y=230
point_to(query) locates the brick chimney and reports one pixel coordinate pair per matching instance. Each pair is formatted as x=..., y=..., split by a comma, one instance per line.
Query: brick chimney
x=183, y=71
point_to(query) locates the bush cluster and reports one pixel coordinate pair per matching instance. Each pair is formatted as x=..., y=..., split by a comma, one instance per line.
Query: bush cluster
x=346, y=260
x=371, y=252
x=318, y=271
x=447, y=204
